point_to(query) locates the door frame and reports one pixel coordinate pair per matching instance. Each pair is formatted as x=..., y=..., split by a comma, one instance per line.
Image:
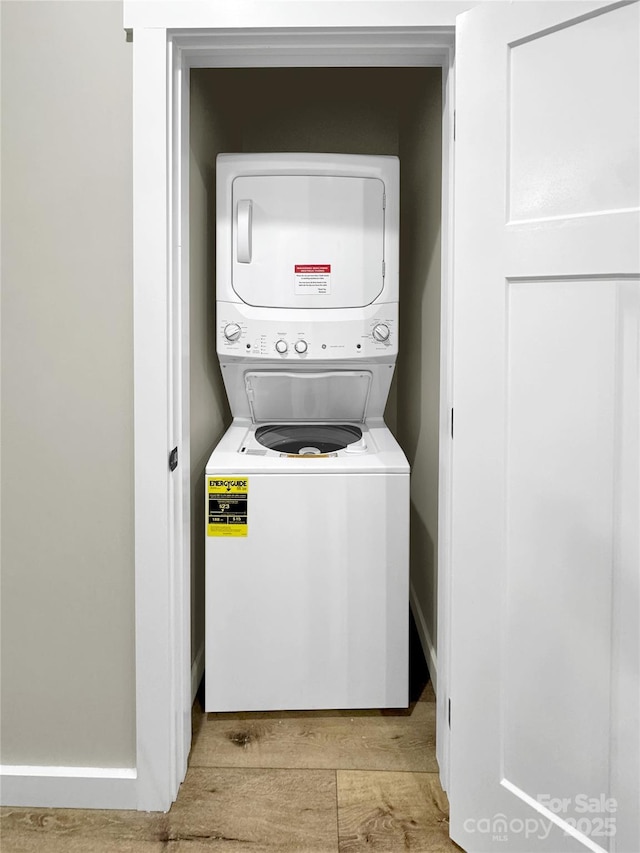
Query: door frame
x=162, y=59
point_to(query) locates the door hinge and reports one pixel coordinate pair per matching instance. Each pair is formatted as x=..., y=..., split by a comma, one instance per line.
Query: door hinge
x=449, y=713
x=173, y=459
x=384, y=269
x=451, y=423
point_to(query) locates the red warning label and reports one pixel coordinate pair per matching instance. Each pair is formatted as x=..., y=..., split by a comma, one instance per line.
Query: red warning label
x=312, y=279
x=310, y=268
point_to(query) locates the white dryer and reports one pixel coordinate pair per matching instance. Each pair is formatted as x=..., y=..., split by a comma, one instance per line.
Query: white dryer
x=307, y=493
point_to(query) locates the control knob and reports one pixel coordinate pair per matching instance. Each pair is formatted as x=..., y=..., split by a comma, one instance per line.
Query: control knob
x=281, y=346
x=301, y=346
x=232, y=331
x=381, y=332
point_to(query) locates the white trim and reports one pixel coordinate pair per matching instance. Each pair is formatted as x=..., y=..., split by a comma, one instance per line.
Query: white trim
x=161, y=63
x=299, y=48
x=68, y=787
x=158, y=620
x=203, y=14
x=425, y=638
x=197, y=671
x=445, y=456
x=179, y=243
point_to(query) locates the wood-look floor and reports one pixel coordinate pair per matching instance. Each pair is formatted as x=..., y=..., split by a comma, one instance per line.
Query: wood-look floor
x=296, y=782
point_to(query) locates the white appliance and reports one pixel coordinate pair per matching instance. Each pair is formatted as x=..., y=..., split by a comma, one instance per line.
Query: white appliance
x=307, y=493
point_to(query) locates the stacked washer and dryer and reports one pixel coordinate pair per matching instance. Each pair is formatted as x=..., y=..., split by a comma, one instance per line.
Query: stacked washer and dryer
x=307, y=493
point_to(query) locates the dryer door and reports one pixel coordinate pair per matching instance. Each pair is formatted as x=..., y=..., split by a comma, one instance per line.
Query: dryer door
x=308, y=241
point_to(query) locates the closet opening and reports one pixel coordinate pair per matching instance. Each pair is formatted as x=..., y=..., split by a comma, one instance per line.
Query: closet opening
x=355, y=110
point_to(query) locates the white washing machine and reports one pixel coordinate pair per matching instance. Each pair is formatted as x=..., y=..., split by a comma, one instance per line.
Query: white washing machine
x=307, y=493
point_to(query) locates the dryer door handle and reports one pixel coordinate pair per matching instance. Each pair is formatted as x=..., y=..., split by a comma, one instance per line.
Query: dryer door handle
x=243, y=229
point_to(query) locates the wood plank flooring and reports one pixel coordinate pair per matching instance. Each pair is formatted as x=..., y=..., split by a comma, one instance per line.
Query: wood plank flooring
x=294, y=782
x=348, y=741
x=392, y=811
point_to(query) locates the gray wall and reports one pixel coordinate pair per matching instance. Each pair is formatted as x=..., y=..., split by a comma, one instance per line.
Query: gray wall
x=67, y=394
x=209, y=410
x=419, y=358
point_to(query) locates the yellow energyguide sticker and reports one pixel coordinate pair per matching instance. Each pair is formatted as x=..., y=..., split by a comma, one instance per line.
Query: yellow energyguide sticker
x=227, y=506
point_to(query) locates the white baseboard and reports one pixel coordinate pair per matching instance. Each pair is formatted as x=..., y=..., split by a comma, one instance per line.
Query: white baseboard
x=68, y=787
x=197, y=671
x=425, y=638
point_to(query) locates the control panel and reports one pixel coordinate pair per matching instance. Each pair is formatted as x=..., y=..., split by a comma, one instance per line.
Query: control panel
x=336, y=337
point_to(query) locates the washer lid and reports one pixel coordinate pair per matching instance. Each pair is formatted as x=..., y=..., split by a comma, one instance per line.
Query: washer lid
x=338, y=395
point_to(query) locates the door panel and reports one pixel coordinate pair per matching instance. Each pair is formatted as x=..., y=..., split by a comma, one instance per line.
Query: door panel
x=562, y=116
x=563, y=421
x=544, y=660
x=318, y=239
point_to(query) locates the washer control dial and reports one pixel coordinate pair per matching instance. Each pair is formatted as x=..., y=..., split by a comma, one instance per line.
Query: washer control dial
x=281, y=346
x=301, y=346
x=232, y=331
x=381, y=332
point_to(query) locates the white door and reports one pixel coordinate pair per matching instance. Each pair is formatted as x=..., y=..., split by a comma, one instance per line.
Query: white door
x=546, y=472
x=308, y=241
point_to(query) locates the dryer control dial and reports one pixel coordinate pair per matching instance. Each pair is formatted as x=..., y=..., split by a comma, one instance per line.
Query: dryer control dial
x=232, y=331
x=381, y=332
x=301, y=346
x=281, y=346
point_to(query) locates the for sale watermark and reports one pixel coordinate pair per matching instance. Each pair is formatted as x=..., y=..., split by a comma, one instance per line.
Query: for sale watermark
x=591, y=816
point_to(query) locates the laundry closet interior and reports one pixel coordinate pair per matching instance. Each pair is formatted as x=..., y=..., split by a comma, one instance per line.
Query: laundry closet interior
x=356, y=110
